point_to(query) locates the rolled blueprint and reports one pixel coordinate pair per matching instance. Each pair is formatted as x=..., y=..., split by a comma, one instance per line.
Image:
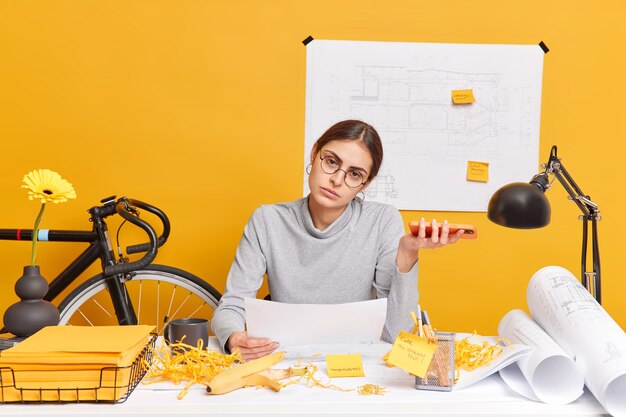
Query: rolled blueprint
x=575, y=320
x=548, y=374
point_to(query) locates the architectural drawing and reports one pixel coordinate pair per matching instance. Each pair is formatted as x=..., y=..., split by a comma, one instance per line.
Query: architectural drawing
x=404, y=91
x=573, y=318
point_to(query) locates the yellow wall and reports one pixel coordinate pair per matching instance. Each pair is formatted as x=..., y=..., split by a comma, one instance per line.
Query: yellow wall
x=198, y=107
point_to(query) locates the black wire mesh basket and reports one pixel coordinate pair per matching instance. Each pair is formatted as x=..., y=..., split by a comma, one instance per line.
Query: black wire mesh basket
x=115, y=384
x=440, y=374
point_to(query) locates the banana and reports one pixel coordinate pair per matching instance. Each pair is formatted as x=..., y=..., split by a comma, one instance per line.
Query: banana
x=243, y=375
x=257, y=379
x=276, y=374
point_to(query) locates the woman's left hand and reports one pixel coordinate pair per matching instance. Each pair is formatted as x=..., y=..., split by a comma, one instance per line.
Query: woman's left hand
x=410, y=245
x=436, y=240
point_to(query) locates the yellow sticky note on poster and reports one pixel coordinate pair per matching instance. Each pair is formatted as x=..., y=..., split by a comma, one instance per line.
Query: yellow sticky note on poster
x=463, y=96
x=477, y=171
x=340, y=366
x=412, y=353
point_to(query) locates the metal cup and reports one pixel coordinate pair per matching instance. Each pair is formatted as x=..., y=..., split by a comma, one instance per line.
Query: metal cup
x=188, y=330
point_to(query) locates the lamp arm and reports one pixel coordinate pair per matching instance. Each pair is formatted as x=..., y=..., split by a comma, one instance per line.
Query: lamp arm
x=590, y=210
x=596, y=260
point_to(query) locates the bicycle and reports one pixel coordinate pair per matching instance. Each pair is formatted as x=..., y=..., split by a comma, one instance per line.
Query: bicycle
x=118, y=293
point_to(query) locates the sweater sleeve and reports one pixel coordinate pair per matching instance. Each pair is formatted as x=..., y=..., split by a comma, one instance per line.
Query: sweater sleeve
x=244, y=280
x=399, y=288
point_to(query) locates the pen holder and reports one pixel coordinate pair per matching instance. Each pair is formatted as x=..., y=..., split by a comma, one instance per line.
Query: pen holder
x=440, y=374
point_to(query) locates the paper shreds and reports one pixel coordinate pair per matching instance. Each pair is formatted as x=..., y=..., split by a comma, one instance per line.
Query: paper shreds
x=305, y=373
x=179, y=362
x=371, y=389
x=469, y=356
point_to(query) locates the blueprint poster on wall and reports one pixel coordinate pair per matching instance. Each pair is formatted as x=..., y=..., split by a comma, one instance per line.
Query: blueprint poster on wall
x=438, y=154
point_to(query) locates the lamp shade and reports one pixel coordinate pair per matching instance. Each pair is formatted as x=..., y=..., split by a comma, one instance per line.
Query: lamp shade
x=519, y=205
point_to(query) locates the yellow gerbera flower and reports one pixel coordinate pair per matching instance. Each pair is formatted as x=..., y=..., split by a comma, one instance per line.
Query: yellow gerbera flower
x=48, y=186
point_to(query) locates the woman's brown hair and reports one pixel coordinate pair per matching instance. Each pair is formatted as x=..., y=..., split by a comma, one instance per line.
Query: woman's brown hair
x=356, y=130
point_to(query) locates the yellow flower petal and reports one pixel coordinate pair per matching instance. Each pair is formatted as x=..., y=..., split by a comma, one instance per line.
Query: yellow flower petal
x=47, y=186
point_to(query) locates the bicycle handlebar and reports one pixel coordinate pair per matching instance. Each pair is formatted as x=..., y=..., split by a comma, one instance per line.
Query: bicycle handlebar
x=122, y=208
x=144, y=247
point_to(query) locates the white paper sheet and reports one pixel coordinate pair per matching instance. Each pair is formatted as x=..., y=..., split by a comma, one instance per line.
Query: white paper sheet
x=306, y=324
x=510, y=354
x=574, y=319
x=315, y=353
x=548, y=374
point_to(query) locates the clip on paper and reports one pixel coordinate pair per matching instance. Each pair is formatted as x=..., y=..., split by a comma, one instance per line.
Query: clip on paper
x=307, y=40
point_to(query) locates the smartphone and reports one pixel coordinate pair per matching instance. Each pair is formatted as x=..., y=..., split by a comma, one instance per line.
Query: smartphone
x=470, y=230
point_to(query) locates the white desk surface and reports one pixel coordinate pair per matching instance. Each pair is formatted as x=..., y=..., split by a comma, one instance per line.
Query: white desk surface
x=488, y=397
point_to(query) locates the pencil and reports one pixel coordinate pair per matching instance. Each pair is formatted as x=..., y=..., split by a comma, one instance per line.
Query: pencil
x=415, y=326
x=427, y=327
x=419, y=321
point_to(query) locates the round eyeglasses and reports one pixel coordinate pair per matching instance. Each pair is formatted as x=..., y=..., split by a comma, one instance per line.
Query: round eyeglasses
x=352, y=177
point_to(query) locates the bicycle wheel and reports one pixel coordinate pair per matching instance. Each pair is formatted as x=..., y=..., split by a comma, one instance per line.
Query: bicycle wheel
x=158, y=293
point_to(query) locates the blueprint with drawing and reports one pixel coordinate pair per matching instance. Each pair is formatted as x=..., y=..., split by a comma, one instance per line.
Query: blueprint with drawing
x=404, y=91
x=573, y=338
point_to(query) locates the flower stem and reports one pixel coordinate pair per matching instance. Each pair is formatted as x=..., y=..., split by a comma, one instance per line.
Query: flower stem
x=36, y=232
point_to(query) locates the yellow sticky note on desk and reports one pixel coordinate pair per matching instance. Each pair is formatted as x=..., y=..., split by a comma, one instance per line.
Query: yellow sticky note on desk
x=463, y=96
x=412, y=353
x=340, y=366
x=477, y=171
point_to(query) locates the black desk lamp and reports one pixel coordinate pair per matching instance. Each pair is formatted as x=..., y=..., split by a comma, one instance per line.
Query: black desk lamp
x=524, y=206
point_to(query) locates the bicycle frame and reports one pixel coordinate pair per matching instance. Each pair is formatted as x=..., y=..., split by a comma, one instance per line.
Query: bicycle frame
x=77, y=267
x=100, y=248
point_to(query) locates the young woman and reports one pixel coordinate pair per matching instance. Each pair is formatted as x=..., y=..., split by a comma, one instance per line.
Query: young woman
x=329, y=247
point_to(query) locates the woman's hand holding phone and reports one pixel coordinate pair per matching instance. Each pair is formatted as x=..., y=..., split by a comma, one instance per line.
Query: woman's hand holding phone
x=439, y=235
x=469, y=231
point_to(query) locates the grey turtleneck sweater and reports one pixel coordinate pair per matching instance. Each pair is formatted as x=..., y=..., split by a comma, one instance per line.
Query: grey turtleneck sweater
x=341, y=264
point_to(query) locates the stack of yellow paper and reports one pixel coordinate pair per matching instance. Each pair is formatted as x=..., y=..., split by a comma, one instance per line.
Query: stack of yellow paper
x=72, y=363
